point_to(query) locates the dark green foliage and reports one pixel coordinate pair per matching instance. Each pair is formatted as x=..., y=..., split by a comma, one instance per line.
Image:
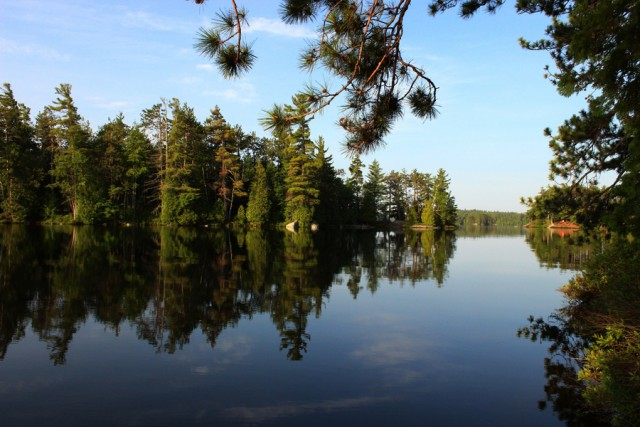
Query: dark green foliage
x=139, y=172
x=354, y=185
x=182, y=191
x=174, y=170
x=373, y=190
x=301, y=167
x=108, y=156
x=241, y=215
x=468, y=218
x=259, y=206
x=218, y=43
x=412, y=216
x=596, y=341
x=72, y=169
x=20, y=166
x=334, y=196
x=579, y=204
x=225, y=143
x=396, y=202
x=156, y=124
x=444, y=205
x=428, y=215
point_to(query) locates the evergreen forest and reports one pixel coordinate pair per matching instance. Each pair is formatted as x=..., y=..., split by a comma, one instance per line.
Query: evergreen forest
x=474, y=217
x=170, y=168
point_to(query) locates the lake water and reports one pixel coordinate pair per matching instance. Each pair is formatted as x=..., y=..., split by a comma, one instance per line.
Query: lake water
x=191, y=326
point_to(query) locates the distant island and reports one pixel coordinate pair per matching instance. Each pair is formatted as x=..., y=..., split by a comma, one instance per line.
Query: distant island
x=473, y=217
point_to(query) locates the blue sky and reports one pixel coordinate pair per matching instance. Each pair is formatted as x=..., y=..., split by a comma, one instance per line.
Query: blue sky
x=123, y=56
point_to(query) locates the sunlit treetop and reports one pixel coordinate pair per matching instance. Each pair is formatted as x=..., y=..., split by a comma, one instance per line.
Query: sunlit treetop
x=359, y=43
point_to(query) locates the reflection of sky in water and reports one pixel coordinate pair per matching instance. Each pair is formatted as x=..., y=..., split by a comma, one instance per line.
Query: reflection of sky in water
x=295, y=409
x=402, y=355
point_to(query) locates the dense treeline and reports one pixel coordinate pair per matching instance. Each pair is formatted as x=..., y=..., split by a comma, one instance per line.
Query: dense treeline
x=576, y=203
x=467, y=218
x=170, y=168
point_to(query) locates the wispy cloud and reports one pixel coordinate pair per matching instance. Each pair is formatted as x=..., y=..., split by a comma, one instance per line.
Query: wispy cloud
x=277, y=27
x=149, y=21
x=206, y=67
x=260, y=414
x=114, y=105
x=190, y=80
x=395, y=353
x=241, y=92
x=31, y=49
x=232, y=350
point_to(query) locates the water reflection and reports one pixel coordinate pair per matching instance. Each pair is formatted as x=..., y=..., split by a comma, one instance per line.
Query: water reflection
x=565, y=330
x=167, y=283
x=479, y=231
x=563, y=249
x=563, y=390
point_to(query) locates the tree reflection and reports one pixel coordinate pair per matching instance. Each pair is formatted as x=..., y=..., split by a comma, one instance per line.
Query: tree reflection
x=562, y=249
x=572, y=330
x=168, y=283
x=563, y=389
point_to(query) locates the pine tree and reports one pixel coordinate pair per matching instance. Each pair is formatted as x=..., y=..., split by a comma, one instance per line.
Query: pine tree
x=395, y=196
x=231, y=184
x=333, y=200
x=156, y=124
x=358, y=44
x=71, y=164
x=428, y=217
x=45, y=137
x=139, y=172
x=225, y=142
x=355, y=183
x=373, y=192
x=241, y=215
x=19, y=166
x=182, y=192
x=300, y=165
x=108, y=156
x=259, y=206
x=443, y=203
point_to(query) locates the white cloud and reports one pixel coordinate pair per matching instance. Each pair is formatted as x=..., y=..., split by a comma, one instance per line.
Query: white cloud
x=206, y=67
x=241, y=92
x=261, y=414
x=190, y=80
x=232, y=350
x=114, y=105
x=146, y=20
x=277, y=27
x=43, y=52
x=200, y=370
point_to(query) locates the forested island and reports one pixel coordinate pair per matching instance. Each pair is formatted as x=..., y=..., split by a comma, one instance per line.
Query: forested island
x=171, y=169
x=473, y=217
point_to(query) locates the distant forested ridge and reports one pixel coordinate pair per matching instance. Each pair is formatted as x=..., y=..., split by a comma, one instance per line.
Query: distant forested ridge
x=467, y=218
x=169, y=168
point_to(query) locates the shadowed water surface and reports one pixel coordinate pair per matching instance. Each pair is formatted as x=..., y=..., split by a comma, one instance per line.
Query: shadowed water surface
x=195, y=326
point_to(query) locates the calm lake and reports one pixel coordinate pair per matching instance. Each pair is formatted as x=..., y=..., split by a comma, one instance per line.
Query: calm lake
x=187, y=326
